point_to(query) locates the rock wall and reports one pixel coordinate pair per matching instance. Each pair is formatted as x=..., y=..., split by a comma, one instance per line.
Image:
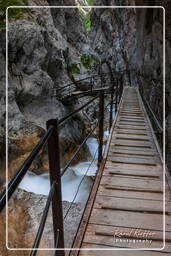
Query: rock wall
x=150, y=60
x=37, y=65
x=113, y=36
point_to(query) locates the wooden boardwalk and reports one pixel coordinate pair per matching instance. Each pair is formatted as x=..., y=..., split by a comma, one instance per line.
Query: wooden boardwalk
x=126, y=203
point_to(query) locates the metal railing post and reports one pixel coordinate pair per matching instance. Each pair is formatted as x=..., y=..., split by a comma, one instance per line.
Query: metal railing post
x=55, y=176
x=101, y=127
x=111, y=107
x=120, y=88
x=116, y=96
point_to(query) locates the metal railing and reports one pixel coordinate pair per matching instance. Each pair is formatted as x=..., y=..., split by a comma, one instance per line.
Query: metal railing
x=51, y=137
x=68, y=90
x=158, y=129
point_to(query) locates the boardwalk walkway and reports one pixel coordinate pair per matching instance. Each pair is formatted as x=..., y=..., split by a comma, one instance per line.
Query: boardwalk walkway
x=128, y=191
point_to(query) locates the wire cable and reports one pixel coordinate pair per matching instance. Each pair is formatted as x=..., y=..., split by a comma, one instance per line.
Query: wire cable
x=78, y=188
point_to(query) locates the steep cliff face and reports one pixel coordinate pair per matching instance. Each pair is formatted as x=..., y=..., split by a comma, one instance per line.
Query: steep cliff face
x=150, y=56
x=37, y=48
x=113, y=34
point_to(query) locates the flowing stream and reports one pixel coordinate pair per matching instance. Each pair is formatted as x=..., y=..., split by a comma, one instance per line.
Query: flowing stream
x=39, y=184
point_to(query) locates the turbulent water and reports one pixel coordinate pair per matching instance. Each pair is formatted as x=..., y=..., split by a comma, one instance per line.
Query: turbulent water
x=76, y=181
x=72, y=181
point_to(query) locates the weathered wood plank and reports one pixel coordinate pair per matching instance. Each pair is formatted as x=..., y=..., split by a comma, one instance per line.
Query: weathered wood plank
x=131, y=127
x=133, y=160
x=132, y=149
x=133, y=219
x=129, y=155
x=136, y=132
x=137, y=121
x=123, y=166
x=130, y=184
x=131, y=194
x=91, y=252
x=139, y=144
x=135, y=205
x=151, y=174
x=133, y=152
x=132, y=137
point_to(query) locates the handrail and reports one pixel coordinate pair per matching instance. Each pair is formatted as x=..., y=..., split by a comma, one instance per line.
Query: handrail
x=52, y=138
x=43, y=221
x=58, y=89
x=66, y=118
x=118, y=72
x=15, y=181
x=77, y=151
x=80, y=147
x=153, y=115
x=149, y=107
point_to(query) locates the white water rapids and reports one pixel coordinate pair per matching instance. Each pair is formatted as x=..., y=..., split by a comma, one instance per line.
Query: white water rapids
x=40, y=184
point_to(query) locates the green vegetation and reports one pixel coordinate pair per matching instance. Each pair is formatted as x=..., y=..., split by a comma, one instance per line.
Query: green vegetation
x=86, y=61
x=13, y=13
x=13, y=132
x=85, y=14
x=87, y=22
x=75, y=68
x=90, y=2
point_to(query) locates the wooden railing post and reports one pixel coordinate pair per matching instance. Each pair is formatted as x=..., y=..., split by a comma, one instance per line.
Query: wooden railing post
x=101, y=127
x=55, y=176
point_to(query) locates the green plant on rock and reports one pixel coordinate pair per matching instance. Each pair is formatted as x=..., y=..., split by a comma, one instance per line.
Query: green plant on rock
x=75, y=68
x=13, y=132
x=87, y=22
x=86, y=61
x=90, y=2
x=85, y=14
x=13, y=13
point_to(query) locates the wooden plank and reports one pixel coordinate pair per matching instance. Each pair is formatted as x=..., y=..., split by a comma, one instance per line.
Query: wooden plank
x=129, y=155
x=92, y=252
x=138, y=150
x=132, y=137
x=130, y=184
x=129, y=116
x=133, y=152
x=131, y=194
x=137, y=132
x=133, y=204
x=122, y=218
x=102, y=237
x=131, y=127
x=109, y=236
x=151, y=174
x=132, y=114
x=132, y=160
x=116, y=166
x=126, y=232
x=121, y=119
x=129, y=143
